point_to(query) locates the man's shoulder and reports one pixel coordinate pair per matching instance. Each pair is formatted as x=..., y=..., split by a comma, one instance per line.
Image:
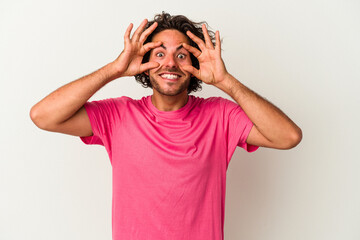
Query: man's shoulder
x=125, y=100
x=217, y=104
x=212, y=100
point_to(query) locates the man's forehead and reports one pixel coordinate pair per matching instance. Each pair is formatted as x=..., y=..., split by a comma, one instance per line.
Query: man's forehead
x=171, y=37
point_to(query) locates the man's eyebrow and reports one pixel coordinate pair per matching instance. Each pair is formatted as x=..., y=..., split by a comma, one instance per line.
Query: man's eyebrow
x=178, y=48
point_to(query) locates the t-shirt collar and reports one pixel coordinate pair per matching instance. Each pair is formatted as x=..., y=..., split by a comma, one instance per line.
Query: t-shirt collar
x=170, y=114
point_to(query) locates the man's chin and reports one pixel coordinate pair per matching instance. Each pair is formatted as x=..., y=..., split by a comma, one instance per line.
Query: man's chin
x=170, y=93
x=170, y=88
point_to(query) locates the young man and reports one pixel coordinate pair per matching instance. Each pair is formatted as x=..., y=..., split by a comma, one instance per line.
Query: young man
x=169, y=151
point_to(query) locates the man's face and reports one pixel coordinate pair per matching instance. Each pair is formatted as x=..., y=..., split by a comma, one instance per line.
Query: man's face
x=169, y=78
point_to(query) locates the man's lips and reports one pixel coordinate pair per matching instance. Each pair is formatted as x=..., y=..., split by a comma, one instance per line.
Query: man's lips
x=170, y=76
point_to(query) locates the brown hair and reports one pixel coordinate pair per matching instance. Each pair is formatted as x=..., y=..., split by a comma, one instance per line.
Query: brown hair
x=182, y=24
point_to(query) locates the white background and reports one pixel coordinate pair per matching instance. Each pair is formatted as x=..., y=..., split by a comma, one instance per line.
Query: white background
x=302, y=55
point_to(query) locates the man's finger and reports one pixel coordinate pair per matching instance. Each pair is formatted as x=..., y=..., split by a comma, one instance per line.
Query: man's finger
x=196, y=52
x=192, y=70
x=147, y=47
x=218, y=42
x=147, y=32
x=127, y=33
x=208, y=41
x=147, y=66
x=196, y=39
x=139, y=30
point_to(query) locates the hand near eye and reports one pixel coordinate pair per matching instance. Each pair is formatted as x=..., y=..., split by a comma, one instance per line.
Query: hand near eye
x=129, y=63
x=212, y=68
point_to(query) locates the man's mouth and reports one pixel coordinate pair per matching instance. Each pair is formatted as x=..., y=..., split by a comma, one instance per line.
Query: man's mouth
x=170, y=76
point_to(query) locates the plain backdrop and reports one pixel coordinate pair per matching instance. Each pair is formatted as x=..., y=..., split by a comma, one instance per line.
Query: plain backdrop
x=302, y=55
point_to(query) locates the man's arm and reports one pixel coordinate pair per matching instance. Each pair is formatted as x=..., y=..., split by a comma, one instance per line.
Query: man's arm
x=272, y=128
x=63, y=110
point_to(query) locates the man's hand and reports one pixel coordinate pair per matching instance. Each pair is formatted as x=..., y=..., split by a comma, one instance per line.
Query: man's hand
x=129, y=61
x=272, y=128
x=63, y=109
x=212, y=68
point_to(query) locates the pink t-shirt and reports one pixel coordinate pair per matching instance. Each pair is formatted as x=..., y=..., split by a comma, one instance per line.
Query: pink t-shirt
x=169, y=168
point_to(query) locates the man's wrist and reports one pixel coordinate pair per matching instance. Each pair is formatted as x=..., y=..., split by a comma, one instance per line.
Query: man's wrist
x=112, y=72
x=227, y=83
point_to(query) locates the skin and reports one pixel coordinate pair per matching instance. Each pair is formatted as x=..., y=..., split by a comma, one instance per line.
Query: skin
x=62, y=110
x=170, y=94
x=272, y=128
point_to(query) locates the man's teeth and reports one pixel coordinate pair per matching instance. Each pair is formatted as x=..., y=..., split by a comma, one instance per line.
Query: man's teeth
x=170, y=76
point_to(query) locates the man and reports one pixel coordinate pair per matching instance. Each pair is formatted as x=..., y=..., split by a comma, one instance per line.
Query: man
x=169, y=151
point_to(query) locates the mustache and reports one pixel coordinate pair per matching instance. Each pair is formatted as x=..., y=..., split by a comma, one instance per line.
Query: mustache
x=172, y=70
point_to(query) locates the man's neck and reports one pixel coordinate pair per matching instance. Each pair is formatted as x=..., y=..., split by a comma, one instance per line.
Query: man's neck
x=169, y=103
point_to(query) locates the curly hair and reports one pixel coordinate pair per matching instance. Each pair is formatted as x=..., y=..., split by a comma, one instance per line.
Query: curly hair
x=182, y=24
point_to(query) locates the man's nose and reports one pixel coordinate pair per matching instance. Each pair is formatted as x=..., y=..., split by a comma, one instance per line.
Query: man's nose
x=170, y=61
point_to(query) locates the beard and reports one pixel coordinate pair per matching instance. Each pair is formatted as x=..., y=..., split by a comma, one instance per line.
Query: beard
x=183, y=87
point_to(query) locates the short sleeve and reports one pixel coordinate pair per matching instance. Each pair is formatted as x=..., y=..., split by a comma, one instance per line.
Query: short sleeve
x=103, y=116
x=238, y=127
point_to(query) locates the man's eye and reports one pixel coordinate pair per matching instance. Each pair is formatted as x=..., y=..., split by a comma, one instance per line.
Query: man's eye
x=159, y=54
x=181, y=56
